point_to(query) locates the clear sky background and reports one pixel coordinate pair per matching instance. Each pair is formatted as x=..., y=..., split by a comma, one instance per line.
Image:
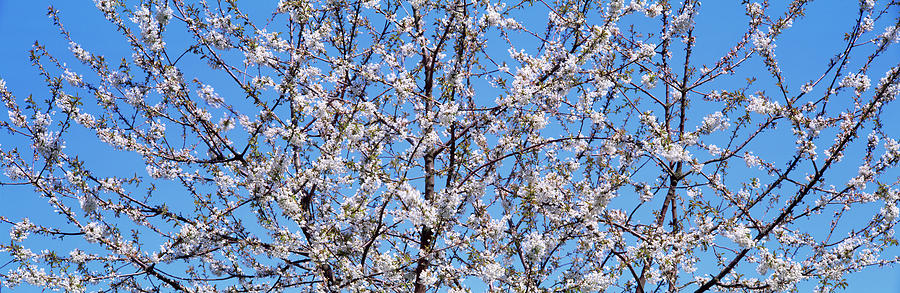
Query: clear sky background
x=811, y=42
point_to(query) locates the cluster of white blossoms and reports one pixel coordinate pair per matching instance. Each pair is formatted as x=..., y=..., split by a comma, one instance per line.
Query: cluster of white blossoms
x=786, y=273
x=151, y=25
x=653, y=10
x=714, y=122
x=93, y=231
x=751, y=160
x=763, y=43
x=259, y=55
x=210, y=96
x=21, y=230
x=763, y=106
x=685, y=21
x=890, y=211
x=447, y=113
x=673, y=152
x=858, y=81
x=740, y=234
x=105, y=5
x=643, y=51
x=864, y=175
x=755, y=10
x=492, y=17
x=867, y=4
x=891, y=34
x=649, y=81
x=535, y=245
x=80, y=53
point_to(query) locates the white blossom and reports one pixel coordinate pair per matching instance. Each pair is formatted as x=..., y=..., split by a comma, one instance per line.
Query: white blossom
x=447, y=113
x=88, y=204
x=755, y=9
x=259, y=55
x=597, y=282
x=210, y=96
x=72, y=78
x=535, y=245
x=890, y=211
x=713, y=122
x=653, y=10
x=80, y=53
x=149, y=26
x=740, y=234
x=107, y=6
x=648, y=80
x=763, y=106
x=21, y=230
x=866, y=4
x=643, y=51
x=860, y=82
x=763, y=43
x=674, y=153
x=684, y=21
x=93, y=232
x=751, y=160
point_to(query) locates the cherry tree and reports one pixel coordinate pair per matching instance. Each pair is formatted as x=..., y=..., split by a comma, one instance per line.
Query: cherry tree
x=454, y=146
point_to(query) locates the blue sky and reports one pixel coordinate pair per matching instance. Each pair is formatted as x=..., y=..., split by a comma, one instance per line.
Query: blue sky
x=809, y=43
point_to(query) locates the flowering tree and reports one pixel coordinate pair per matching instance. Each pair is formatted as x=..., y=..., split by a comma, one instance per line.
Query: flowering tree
x=455, y=145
